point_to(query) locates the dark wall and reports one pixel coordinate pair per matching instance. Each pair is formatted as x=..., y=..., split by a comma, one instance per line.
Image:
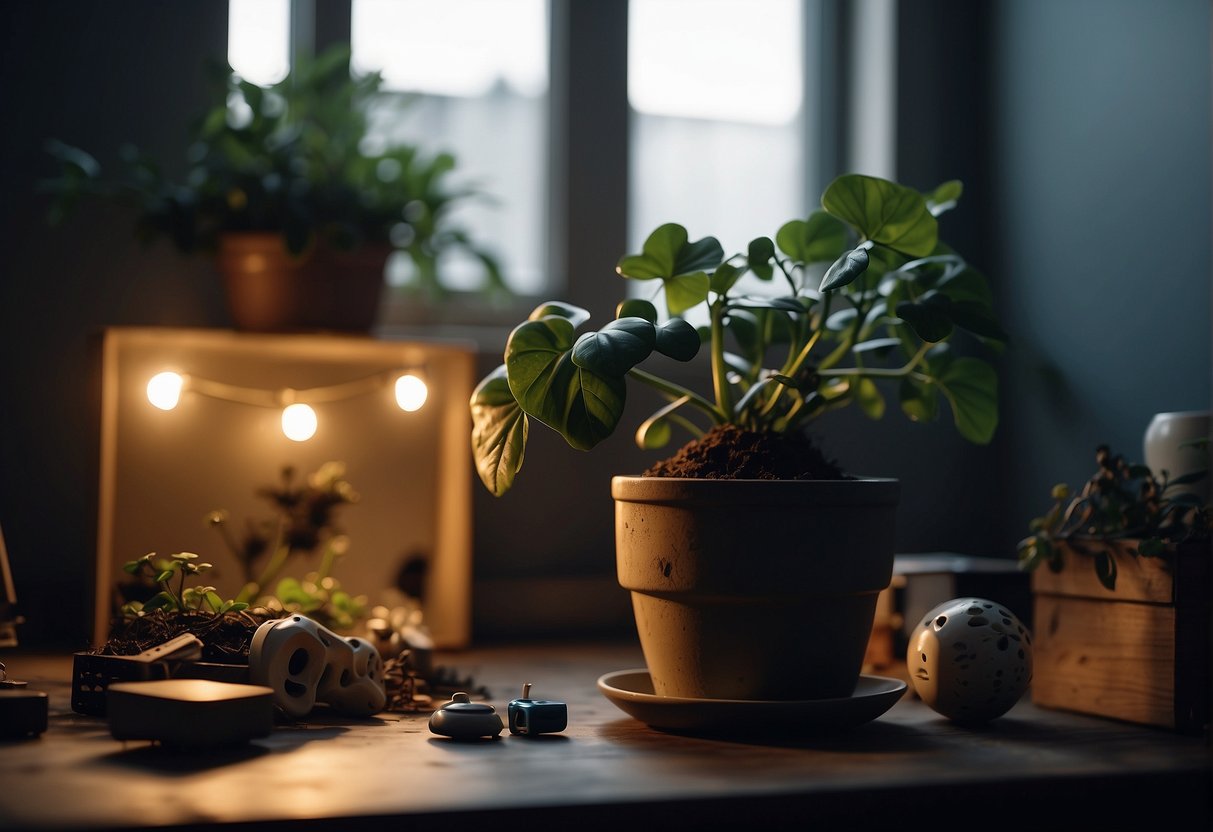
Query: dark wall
x=1100, y=205
x=96, y=75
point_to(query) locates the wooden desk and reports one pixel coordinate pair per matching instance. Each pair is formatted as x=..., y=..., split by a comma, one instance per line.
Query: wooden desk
x=910, y=767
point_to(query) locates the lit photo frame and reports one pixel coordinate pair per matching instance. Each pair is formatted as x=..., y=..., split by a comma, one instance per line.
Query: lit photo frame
x=212, y=442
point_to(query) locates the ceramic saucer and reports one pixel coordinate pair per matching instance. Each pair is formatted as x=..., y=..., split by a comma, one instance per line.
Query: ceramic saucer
x=632, y=692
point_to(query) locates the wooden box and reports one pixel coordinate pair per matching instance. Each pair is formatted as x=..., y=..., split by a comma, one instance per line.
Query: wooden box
x=1138, y=653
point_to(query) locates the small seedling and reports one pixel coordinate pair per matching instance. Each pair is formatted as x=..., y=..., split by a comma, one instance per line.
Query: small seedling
x=182, y=598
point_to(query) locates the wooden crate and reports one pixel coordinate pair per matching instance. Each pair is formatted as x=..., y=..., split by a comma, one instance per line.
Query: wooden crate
x=1139, y=653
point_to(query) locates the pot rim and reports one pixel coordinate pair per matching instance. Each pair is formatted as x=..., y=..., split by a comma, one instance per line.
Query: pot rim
x=858, y=490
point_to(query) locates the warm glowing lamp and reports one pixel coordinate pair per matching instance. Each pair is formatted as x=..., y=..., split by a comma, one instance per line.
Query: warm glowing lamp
x=298, y=422
x=164, y=390
x=411, y=392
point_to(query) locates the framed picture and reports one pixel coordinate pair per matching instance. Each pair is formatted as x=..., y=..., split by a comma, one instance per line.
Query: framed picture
x=209, y=441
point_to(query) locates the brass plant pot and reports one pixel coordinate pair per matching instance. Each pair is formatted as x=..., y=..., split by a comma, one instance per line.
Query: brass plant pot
x=269, y=289
x=754, y=589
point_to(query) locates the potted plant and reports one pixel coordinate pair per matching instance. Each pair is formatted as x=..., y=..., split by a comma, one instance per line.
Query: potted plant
x=1121, y=605
x=754, y=562
x=284, y=188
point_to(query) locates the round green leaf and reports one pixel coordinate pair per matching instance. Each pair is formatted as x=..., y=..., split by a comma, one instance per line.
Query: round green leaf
x=869, y=398
x=759, y=255
x=819, y=239
x=677, y=339
x=581, y=405
x=637, y=308
x=617, y=347
x=928, y=320
x=971, y=387
x=686, y=291
x=884, y=212
x=724, y=277
x=919, y=402
x=499, y=432
x=944, y=197
x=575, y=314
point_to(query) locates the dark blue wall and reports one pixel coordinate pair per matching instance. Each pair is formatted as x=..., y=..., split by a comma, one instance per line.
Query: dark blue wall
x=1100, y=213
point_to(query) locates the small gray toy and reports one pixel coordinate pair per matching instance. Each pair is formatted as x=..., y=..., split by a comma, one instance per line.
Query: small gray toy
x=463, y=719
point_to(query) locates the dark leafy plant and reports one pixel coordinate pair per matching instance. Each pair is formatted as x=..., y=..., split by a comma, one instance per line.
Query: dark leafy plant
x=304, y=520
x=891, y=297
x=296, y=159
x=182, y=598
x=1121, y=501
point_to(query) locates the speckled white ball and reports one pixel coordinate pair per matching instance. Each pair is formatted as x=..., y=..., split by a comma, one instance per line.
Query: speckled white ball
x=970, y=659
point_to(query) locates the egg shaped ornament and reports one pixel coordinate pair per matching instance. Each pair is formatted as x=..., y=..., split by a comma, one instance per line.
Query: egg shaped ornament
x=970, y=659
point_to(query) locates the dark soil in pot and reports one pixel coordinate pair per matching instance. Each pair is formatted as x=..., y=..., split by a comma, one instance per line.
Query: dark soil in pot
x=729, y=452
x=226, y=638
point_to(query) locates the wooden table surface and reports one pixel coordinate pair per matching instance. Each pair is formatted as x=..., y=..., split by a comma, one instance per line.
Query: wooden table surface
x=910, y=766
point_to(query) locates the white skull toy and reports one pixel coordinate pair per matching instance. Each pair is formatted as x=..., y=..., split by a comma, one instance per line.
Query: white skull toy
x=970, y=659
x=305, y=663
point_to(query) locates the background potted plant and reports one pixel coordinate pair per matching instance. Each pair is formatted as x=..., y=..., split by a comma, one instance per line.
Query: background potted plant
x=1121, y=605
x=284, y=188
x=754, y=561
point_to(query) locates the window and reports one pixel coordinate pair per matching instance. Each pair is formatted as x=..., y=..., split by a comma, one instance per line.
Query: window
x=717, y=136
x=476, y=76
x=722, y=96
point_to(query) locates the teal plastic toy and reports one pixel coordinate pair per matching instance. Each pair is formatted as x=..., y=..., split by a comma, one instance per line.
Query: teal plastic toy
x=532, y=717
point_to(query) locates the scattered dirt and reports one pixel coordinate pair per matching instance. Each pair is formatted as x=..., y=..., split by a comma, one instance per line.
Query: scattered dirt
x=226, y=638
x=726, y=452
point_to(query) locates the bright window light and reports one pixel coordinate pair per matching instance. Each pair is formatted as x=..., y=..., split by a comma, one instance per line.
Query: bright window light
x=457, y=47
x=258, y=39
x=727, y=60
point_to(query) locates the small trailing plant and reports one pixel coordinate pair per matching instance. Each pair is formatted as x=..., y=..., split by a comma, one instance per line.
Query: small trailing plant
x=304, y=521
x=163, y=571
x=295, y=158
x=1121, y=501
x=872, y=299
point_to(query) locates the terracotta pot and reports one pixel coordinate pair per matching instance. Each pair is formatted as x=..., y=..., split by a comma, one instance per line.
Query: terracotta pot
x=271, y=290
x=754, y=589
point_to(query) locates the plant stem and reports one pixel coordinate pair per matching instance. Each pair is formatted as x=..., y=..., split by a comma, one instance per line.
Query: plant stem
x=787, y=276
x=720, y=370
x=880, y=372
x=282, y=551
x=678, y=391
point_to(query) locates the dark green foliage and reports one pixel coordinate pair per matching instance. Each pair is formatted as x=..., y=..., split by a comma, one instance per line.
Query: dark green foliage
x=1120, y=501
x=292, y=159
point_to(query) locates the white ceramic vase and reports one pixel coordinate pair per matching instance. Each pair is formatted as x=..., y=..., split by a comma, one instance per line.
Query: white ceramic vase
x=1169, y=446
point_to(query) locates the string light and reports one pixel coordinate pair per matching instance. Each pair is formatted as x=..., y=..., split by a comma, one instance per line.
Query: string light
x=299, y=419
x=411, y=392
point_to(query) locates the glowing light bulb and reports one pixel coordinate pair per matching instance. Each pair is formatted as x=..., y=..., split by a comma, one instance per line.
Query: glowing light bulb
x=164, y=390
x=298, y=422
x=411, y=392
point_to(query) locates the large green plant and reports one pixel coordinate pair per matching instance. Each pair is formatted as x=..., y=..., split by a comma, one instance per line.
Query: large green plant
x=296, y=159
x=890, y=299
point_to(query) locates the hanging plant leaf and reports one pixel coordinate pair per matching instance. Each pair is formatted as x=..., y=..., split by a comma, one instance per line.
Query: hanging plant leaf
x=759, y=255
x=677, y=339
x=655, y=432
x=636, y=308
x=977, y=319
x=785, y=304
x=581, y=405
x=499, y=432
x=919, y=402
x=842, y=319
x=869, y=398
x=967, y=284
x=971, y=387
x=574, y=314
x=884, y=212
x=819, y=239
x=880, y=346
x=929, y=320
x=617, y=347
x=686, y=291
x=944, y=197
x=679, y=264
x=723, y=279
x=846, y=270
x=1105, y=569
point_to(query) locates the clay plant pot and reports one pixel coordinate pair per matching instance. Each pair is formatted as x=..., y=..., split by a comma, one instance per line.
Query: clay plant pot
x=271, y=290
x=754, y=589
